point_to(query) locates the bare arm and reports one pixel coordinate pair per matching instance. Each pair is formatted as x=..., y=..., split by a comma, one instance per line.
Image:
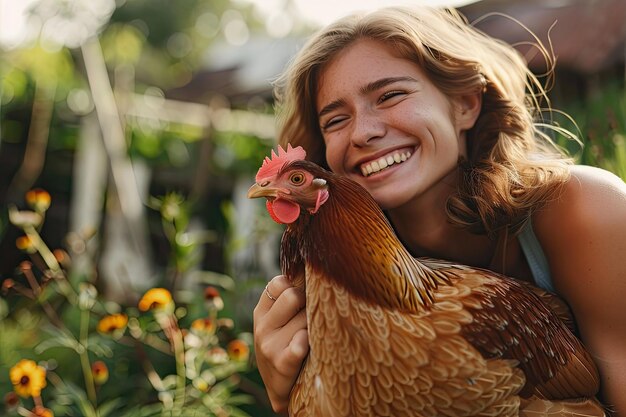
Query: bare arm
x=280, y=339
x=584, y=236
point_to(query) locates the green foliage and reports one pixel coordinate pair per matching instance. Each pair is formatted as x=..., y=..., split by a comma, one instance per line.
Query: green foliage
x=239, y=153
x=601, y=120
x=169, y=355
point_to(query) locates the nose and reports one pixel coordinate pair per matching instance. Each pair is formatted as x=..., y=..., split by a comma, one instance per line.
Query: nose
x=367, y=126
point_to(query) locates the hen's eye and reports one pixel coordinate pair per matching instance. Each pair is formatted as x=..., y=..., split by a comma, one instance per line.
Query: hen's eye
x=297, y=178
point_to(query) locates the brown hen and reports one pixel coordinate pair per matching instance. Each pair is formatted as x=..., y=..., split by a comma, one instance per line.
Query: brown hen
x=391, y=335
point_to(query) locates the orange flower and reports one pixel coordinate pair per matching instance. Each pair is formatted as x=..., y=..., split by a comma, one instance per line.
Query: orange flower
x=38, y=199
x=28, y=378
x=238, y=350
x=25, y=243
x=112, y=322
x=100, y=372
x=204, y=325
x=155, y=298
x=40, y=411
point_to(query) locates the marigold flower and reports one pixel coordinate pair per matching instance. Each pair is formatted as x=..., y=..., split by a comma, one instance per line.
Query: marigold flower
x=100, y=372
x=28, y=378
x=204, y=325
x=238, y=350
x=38, y=199
x=112, y=322
x=213, y=299
x=155, y=298
x=40, y=411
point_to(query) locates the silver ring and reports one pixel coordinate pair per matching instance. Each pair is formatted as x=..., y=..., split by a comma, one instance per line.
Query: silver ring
x=267, y=292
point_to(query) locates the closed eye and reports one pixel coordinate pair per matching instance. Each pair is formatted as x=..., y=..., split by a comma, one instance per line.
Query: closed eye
x=333, y=122
x=390, y=94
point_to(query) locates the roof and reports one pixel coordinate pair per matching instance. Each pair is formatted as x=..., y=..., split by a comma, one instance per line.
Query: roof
x=587, y=36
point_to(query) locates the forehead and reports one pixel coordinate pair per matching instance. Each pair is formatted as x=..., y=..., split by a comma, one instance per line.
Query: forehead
x=360, y=63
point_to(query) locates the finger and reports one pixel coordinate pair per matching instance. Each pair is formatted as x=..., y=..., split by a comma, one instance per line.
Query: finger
x=270, y=341
x=299, y=345
x=289, y=361
x=297, y=323
x=272, y=291
x=287, y=305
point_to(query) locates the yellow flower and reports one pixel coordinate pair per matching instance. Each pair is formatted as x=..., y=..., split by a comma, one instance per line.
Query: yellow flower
x=238, y=350
x=28, y=378
x=38, y=199
x=155, y=298
x=112, y=322
x=100, y=372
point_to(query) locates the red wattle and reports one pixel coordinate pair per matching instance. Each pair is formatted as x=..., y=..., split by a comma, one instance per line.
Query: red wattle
x=283, y=211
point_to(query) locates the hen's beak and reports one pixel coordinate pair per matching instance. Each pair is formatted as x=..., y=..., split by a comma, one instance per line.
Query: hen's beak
x=257, y=191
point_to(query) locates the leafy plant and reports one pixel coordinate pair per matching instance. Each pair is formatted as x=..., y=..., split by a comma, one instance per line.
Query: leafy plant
x=152, y=358
x=601, y=121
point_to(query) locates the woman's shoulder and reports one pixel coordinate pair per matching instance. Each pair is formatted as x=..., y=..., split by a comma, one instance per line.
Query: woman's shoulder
x=591, y=197
x=583, y=230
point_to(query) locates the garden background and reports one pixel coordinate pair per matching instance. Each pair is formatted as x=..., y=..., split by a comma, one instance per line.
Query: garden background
x=130, y=131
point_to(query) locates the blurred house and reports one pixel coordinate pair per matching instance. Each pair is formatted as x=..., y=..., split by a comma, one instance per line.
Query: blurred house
x=587, y=37
x=242, y=74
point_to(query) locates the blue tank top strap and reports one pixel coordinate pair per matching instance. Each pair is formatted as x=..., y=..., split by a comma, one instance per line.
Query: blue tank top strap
x=535, y=257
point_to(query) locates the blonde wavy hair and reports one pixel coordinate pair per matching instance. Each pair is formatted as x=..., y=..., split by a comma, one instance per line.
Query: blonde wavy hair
x=512, y=167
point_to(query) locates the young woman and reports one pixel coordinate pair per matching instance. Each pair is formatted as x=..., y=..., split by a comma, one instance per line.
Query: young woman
x=439, y=123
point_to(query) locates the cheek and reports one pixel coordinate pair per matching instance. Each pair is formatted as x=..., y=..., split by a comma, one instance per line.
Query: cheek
x=334, y=156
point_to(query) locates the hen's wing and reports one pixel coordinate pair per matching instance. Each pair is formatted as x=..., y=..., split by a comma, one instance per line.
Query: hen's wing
x=537, y=407
x=512, y=321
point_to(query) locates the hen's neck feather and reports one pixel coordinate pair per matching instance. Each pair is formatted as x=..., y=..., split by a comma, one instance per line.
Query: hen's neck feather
x=350, y=241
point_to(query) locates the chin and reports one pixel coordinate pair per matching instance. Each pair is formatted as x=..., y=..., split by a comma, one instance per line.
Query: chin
x=389, y=201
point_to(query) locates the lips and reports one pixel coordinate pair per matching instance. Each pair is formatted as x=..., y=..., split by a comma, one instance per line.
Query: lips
x=385, y=161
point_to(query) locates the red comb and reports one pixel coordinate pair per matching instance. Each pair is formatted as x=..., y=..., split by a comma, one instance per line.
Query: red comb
x=272, y=165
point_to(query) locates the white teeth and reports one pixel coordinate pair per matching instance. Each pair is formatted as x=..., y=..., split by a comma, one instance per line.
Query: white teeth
x=384, y=162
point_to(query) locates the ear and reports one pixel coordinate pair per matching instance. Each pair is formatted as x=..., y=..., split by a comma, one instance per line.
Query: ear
x=466, y=109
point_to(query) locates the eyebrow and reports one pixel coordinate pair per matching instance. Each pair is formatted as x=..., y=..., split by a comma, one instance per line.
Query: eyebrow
x=366, y=89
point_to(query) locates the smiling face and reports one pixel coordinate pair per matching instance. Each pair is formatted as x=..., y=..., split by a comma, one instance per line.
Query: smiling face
x=387, y=126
